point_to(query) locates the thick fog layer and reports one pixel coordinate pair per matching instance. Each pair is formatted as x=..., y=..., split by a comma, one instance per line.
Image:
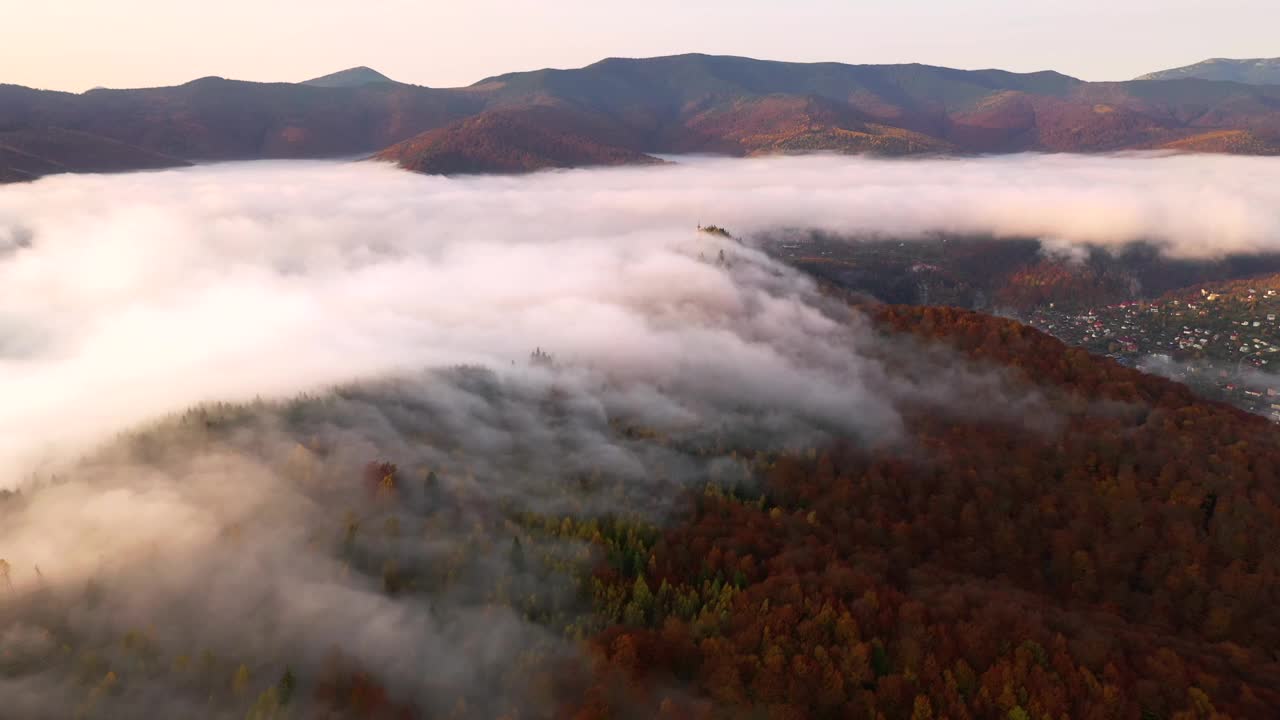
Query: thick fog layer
x=126, y=296
x=495, y=337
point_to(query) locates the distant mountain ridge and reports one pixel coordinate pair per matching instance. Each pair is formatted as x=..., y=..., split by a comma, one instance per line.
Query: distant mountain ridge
x=351, y=77
x=521, y=140
x=624, y=110
x=1253, y=71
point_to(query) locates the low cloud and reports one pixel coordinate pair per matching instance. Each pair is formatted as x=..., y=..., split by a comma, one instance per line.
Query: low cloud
x=135, y=295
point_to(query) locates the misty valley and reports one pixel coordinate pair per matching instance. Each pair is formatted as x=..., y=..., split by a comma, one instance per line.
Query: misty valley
x=786, y=437
x=1209, y=323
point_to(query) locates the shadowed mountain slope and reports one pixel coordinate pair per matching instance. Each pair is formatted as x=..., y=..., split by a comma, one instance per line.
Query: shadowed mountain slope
x=31, y=153
x=351, y=77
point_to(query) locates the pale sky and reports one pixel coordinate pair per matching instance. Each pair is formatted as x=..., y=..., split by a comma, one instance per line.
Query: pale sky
x=78, y=44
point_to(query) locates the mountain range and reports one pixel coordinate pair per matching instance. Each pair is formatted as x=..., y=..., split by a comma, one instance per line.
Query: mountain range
x=624, y=111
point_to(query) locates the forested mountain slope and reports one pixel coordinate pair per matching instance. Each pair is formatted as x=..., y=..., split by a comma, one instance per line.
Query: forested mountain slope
x=1116, y=568
x=1111, y=557
x=685, y=103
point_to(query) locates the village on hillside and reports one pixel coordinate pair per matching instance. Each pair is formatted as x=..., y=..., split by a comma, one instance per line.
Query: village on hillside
x=1224, y=343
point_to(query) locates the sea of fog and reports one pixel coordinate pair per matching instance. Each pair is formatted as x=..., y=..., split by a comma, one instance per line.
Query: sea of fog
x=124, y=297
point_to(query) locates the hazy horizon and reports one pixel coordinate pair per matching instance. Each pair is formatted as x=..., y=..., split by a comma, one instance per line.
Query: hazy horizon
x=65, y=46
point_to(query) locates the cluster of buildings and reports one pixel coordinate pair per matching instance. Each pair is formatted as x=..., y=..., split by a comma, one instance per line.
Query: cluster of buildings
x=1224, y=344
